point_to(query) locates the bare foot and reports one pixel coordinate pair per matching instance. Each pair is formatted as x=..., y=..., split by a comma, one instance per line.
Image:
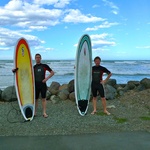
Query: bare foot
x=93, y=112
x=106, y=112
x=45, y=115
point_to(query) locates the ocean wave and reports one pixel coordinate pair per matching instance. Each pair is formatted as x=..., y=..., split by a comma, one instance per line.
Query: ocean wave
x=131, y=74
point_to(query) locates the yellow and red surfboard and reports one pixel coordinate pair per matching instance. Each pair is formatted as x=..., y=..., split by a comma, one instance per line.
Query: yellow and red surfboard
x=24, y=79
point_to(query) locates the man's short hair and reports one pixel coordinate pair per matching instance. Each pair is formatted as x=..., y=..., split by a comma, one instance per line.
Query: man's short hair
x=97, y=57
x=38, y=55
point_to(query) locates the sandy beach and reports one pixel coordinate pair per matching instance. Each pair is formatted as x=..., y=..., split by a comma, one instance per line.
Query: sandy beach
x=131, y=113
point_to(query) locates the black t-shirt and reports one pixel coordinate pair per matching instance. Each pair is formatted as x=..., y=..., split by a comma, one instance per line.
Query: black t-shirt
x=97, y=73
x=40, y=70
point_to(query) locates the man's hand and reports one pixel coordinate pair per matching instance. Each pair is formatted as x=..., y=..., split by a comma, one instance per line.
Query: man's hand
x=44, y=81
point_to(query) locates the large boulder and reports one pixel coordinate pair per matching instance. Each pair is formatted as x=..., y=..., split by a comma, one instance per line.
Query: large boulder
x=54, y=88
x=71, y=86
x=1, y=94
x=63, y=95
x=145, y=83
x=72, y=96
x=129, y=86
x=48, y=95
x=110, y=92
x=9, y=94
x=63, y=87
x=136, y=83
x=112, y=82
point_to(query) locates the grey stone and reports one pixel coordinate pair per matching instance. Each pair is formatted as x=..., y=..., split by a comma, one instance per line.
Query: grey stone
x=72, y=96
x=112, y=82
x=55, y=99
x=136, y=83
x=71, y=86
x=140, y=88
x=129, y=86
x=63, y=95
x=145, y=82
x=9, y=94
x=48, y=95
x=110, y=92
x=0, y=94
x=63, y=87
x=54, y=86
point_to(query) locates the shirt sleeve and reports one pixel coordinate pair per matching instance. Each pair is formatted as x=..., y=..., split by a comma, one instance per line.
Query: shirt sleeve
x=47, y=68
x=105, y=70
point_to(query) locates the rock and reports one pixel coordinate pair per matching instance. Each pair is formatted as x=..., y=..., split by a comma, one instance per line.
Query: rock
x=63, y=87
x=71, y=86
x=55, y=99
x=110, y=92
x=72, y=96
x=9, y=94
x=54, y=86
x=136, y=83
x=63, y=95
x=111, y=82
x=129, y=86
x=48, y=95
x=140, y=88
x=1, y=94
x=145, y=82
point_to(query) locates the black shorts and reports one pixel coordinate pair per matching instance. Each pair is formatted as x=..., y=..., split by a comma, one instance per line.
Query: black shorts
x=97, y=87
x=40, y=88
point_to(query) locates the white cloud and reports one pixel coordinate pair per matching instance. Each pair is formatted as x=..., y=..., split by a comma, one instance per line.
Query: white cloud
x=105, y=24
x=75, y=16
x=25, y=15
x=115, y=9
x=42, y=49
x=101, y=41
x=55, y=3
x=4, y=48
x=9, y=38
x=95, y=6
x=143, y=47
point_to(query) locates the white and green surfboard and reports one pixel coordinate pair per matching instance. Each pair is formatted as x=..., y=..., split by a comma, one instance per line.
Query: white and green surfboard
x=83, y=74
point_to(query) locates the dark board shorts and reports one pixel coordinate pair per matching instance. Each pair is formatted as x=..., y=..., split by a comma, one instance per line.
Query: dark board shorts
x=40, y=88
x=97, y=87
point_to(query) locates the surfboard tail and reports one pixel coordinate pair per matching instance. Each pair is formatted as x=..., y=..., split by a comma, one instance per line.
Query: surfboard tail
x=82, y=104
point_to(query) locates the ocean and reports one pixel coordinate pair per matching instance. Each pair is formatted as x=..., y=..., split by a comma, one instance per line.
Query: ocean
x=122, y=70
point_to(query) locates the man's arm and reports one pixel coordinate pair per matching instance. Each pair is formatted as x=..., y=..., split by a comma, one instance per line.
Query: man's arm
x=50, y=75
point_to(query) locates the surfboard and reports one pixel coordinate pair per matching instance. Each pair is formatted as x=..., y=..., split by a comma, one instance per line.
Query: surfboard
x=83, y=74
x=24, y=79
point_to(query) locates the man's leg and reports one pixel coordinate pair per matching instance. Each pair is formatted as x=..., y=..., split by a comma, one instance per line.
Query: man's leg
x=36, y=106
x=102, y=94
x=94, y=105
x=104, y=106
x=44, y=102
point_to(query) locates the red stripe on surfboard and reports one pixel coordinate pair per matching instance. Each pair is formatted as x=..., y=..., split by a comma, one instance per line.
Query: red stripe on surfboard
x=23, y=41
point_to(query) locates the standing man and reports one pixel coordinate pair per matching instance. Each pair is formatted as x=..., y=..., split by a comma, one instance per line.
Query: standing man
x=97, y=84
x=40, y=82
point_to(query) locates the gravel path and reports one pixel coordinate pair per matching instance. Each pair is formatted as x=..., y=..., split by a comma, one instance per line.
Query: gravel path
x=129, y=115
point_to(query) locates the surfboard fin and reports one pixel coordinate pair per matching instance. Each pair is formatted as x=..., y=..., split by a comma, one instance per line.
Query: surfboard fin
x=82, y=105
x=28, y=113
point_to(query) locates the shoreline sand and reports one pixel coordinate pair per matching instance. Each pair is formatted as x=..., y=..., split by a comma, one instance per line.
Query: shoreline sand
x=131, y=114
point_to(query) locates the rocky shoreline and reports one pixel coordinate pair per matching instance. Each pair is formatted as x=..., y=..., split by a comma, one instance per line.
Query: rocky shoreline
x=129, y=105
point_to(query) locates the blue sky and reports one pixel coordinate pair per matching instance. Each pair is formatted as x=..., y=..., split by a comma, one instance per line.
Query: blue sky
x=119, y=29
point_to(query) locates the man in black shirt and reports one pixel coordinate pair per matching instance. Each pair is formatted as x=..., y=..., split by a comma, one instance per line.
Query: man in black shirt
x=40, y=82
x=97, y=84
